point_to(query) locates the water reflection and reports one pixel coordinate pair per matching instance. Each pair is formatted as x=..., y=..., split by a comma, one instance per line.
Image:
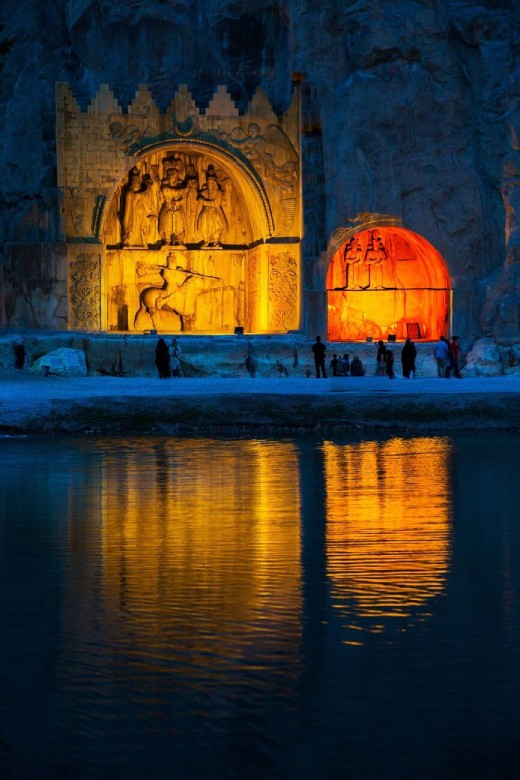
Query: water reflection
x=258, y=608
x=199, y=549
x=388, y=528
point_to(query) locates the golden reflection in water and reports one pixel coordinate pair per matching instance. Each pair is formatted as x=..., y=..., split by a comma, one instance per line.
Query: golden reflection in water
x=388, y=527
x=201, y=545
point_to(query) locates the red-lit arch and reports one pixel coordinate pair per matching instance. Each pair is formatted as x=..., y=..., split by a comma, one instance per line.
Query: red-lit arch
x=387, y=280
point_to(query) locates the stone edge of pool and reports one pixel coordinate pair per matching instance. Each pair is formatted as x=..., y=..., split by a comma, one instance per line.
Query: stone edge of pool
x=252, y=412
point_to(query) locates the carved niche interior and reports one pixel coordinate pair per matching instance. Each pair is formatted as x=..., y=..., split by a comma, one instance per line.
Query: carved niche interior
x=387, y=280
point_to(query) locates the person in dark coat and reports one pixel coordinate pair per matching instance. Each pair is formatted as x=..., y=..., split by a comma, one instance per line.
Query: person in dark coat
x=381, y=358
x=389, y=363
x=408, y=354
x=453, y=356
x=319, y=350
x=356, y=367
x=162, y=359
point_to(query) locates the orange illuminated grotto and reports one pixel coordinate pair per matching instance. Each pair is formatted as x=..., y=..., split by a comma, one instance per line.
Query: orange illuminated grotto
x=387, y=280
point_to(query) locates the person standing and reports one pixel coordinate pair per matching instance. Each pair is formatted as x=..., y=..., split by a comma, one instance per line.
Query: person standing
x=389, y=361
x=344, y=365
x=162, y=359
x=453, y=355
x=440, y=353
x=175, y=353
x=319, y=349
x=408, y=354
x=381, y=358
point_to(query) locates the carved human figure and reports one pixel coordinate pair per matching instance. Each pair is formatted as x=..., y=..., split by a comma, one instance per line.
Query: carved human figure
x=192, y=208
x=151, y=199
x=133, y=213
x=172, y=217
x=374, y=257
x=211, y=222
x=353, y=258
x=178, y=293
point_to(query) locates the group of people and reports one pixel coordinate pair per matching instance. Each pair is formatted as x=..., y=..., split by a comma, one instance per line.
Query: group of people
x=340, y=366
x=446, y=353
x=167, y=359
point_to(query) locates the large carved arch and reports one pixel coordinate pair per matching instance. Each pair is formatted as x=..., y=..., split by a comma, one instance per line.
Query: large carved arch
x=181, y=219
x=387, y=280
x=185, y=236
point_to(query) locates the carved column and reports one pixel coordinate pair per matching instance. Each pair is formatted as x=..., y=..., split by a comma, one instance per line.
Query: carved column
x=85, y=291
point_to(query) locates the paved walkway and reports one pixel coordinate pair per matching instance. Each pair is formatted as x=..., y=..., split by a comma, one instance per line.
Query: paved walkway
x=34, y=403
x=22, y=387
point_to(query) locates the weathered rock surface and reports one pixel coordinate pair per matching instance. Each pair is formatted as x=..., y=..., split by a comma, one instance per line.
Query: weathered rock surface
x=62, y=362
x=409, y=109
x=484, y=359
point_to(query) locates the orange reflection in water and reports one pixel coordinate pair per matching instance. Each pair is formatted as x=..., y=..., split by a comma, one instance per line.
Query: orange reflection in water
x=200, y=546
x=388, y=526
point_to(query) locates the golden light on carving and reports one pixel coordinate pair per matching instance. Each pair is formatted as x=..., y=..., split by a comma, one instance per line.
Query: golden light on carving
x=184, y=545
x=387, y=280
x=185, y=235
x=388, y=529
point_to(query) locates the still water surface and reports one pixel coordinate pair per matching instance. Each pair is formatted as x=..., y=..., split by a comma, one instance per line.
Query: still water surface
x=260, y=608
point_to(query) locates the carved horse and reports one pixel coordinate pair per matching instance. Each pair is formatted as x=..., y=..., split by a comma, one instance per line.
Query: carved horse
x=148, y=299
x=182, y=301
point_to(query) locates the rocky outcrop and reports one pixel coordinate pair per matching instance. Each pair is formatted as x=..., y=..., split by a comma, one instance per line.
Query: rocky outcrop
x=484, y=359
x=409, y=109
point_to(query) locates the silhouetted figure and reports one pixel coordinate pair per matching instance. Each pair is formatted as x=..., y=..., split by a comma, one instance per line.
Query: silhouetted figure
x=356, y=367
x=389, y=363
x=319, y=350
x=334, y=364
x=344, y=366
x=381, y=358
x=162, y=359
x=408, y=354
x=19, y=355
x=453, y=357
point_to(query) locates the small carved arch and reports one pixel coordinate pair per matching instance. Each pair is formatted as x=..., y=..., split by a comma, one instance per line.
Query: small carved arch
x=382, y=280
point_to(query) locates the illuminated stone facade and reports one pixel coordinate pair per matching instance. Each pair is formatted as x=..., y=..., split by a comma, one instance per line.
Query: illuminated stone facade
x=335, y=119
x=181, y=221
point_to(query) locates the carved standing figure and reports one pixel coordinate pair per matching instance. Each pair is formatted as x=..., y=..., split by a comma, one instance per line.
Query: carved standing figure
x=211, y=222
x=353, y=258
x=374, y=257
x=133, y=213
x=192, y=208
x=172, y=218
x=150, y=210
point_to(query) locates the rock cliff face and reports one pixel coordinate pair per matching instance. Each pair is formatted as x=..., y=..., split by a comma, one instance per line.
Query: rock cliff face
x=410, y=109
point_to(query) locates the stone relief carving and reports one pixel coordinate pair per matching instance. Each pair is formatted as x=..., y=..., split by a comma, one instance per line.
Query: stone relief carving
x=85, y=289
x=264, y=153
x=178, y=293
x=367, y=268
x=129, y=130
x=353, y=263
x=78, y=207
x=178, y=200
x=276, y=161
x=283, y=292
